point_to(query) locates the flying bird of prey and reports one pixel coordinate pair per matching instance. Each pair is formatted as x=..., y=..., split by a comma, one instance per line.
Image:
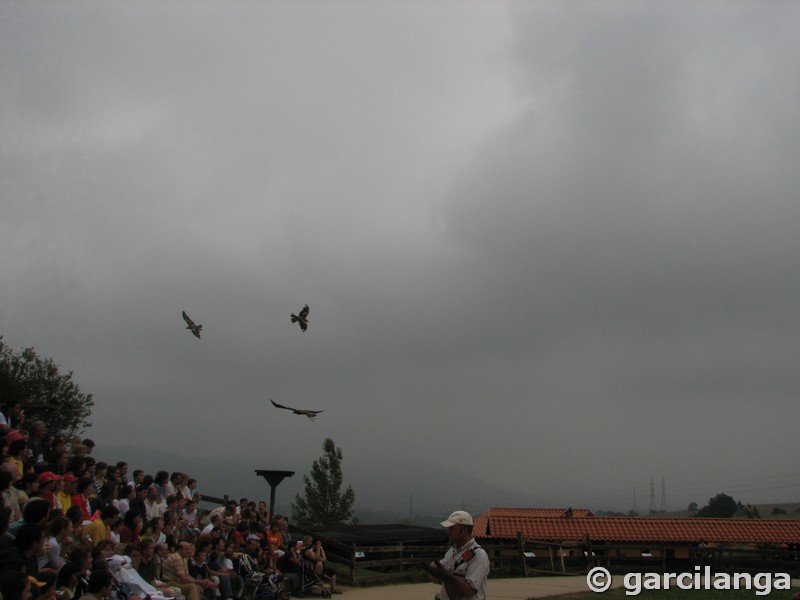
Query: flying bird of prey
x=196, y=329
x=311, y=414
x=302, y=318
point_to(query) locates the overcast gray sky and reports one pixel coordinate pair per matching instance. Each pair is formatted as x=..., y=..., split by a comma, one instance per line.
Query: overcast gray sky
x=554, y=245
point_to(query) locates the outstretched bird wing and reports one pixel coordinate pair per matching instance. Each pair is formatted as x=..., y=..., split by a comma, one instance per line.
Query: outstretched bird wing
x=311, y=414
x=196, y=329
x=302, y=318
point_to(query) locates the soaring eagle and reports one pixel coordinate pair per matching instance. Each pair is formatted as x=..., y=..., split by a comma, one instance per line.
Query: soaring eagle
x=196, y=329
x=302, y=318
x=311, y=414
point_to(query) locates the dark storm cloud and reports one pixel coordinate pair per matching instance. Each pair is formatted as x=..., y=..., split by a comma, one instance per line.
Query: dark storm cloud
x=559, y=235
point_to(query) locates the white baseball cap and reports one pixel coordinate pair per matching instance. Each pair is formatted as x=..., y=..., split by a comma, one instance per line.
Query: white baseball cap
x=458, y=518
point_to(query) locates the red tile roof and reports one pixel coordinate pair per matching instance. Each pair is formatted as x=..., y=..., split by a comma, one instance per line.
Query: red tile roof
x=523, y=513
x=504, y=523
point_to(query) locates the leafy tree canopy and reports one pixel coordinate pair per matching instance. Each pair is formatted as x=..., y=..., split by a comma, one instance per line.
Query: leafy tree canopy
x=44, y=392
x=324, y=502
x=720, y=505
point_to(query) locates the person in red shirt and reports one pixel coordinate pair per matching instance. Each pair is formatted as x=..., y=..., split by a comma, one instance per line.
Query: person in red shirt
x=83, y=492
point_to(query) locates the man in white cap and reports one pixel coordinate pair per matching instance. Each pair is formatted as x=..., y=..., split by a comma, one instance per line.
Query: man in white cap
x=463, y=570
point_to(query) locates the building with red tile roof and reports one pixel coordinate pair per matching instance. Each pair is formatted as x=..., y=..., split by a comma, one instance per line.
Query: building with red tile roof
x=558, y=525
x=560, y=540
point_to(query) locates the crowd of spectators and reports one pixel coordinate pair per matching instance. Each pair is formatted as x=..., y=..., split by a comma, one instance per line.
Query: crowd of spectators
x=72, y=527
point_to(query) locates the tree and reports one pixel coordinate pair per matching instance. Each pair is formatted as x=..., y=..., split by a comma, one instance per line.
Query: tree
x=720, y=505
x=747, y=511
x=324, y=503
x=46, y=394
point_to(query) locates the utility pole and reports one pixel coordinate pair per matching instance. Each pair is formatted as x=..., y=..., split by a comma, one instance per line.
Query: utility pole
x=652, y=496
x=663, y=496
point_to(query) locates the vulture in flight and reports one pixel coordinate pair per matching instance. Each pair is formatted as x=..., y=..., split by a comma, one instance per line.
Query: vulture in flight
x=196, y=329
x=302, y=318
x=311, y=414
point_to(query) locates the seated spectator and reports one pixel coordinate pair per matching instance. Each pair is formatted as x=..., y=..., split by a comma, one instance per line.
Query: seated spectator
x=315, y=555
x=132, y=524
x=11, y=417
x=155, y=505
x=122, y=469
x=58, y=544
x=290, y=564
x=67, y=581
x=138, y=502
x=159, y=483
x=75, y=515
x=99, y=586
x=137, y=479
x=9, y=495
x=176, y=573
x=221, y=566
x=69, y=486
x=29, y=544
x=100, y=471
x=18, y=455
x=190, y=490
x=125, y=494
x=53, y=449
x=37, y=432
x=15, y=584
x=47, y=488
x=215, y=521
x=27, y=487
x=274, y=537
x=198, y=568
x=262, y=516
x=192, y=517
x=147, y=568
x=84, y=491
x=99, y=530
x=153, y=530
x=107, y=496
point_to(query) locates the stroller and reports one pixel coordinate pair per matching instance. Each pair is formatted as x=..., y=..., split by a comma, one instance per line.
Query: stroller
x=260, y=586
x=310, y=583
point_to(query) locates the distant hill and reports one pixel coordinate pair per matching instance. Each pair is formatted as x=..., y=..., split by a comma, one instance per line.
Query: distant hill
x=395, y=490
